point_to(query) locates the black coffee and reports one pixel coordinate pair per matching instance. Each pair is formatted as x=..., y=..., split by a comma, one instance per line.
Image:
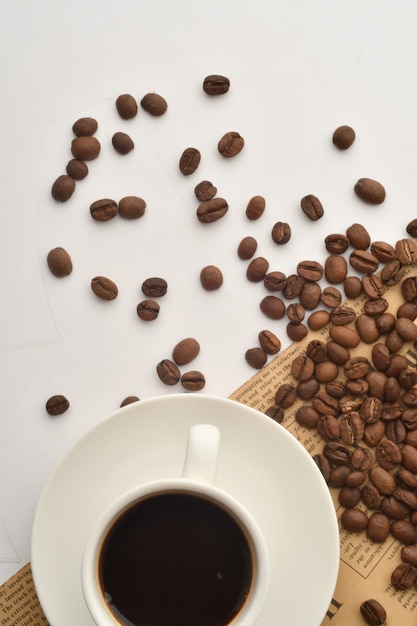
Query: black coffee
x=175, y=559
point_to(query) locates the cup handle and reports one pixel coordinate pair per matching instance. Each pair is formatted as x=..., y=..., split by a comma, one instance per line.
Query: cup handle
x=200, y=461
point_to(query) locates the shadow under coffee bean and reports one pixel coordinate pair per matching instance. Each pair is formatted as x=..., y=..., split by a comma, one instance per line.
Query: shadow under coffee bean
x=177, y=559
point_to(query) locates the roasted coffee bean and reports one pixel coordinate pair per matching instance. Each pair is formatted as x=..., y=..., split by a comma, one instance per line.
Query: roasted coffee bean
x=383, y=251
x=276, y=413
x=296, y=331
x=406, y=497
x=148, y=310
x=281, y=233
x=371, y=497
x=216, y=84
x=310, y=295
x=391, y=411
x=337, y=353
x=363, y=261
x=205, y=191
x=295, y=312
x=392, y=273
x=336, y=389
x=379, y=527
x=382, y=480
x=311, y=271
x=318, y=320
x=275, y=281
x=398, y=363
x=85, y=127
x=349, y=497
x=85, y=148
x=154, y=104
x=193, y=380
x=339, y=475
x=404, y=576
x=409, y=289
x=388, y=454
x=230, y=144
x=168, y=372
x=255, y=207
x=126, y=106
x=185, y=351
x=122, y=143
x=302, y=367
x=316, y=350
x=257, y=269
x=361, y=459
x=211, y=278
x=212, y=210
x=349, y=403
x=354, y=520
x=59, y=262
x=285, y=395
x=337, y=453
x=409, y=456
x=131, y=207
x=407, y=309
x=336, y=243
x=411, y=228
x=342, y=315
x=331, y=297
x=406, y=251
x=409, y=398
x=367, y=328
x=323, y=465
x=394, y=341
x=104, y=209
x=411, y=438
x=371, y=409
x=104, y=288
x=335, y=269
x=407, y=379
x=351, y=428
x=328, y=428
x=409, y=555
x=395, y=431
x=269, y=342
x=273, y=307
x=358, y=236
x=343, y=137
x=345, y=336
x=256, y=357
x=326, y=405
x=392, y=389
x=376, y=308
x=381, y=356
x=307, y=416
x=373, y=612
x=189, y=161
x=307, y=389
x=57, y=404
x=312, y=207
x=370, y=190
x=292, y=287
x=77, y=169
x=63, y=188
x=247, y=248
x=406, y=329
x=358, y=387
x=154, y=287
x=326, y=371
x=372, y=286
x=129, y=400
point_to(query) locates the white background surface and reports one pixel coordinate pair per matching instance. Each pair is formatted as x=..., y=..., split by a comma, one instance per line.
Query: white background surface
x=298, y=69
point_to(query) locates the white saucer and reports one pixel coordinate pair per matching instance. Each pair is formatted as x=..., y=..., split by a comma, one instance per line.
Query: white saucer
x=260, y=463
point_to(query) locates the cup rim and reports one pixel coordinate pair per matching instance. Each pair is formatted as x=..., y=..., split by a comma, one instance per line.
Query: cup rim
x=90, y=584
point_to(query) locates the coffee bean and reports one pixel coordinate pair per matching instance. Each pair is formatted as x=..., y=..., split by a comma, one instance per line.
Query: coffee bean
x=411, y=228
x=257, y=269
x=316, y=350
x=354, y=520
x=311, y=271
x=370, y=190
x=409, y=289
x=345, y=336
x=335, y=269
x=59, y=262
x=404, y=576
x=292, y=287
x=154, y=287
x=85, y=148
x=323, y=465
x=318, y=320
x=56, y=405
x=331, y=297
x=373, y=612
x=281, y=233
x=310, y=295
x=302, y=367
x=216, y=84
x=392, y=273
x=122, y=143
x=148, y=310
x=358, y=236
x=247, y=248
x=185, y=351
x=352, y=286
x=306, y=390
x=336, y=453
x=126, y=106
x=409, y=457
x=189, y=161
x=342, y=315
x=343, y=137
x=154, y=104
x=326, y=371
x=77, y=169
x=212, y=210
x=382, y=480
x=406, y=328
x=307, y=416
x=328, y=428
x=338, y=476
x=211, y=278
x=104, y=288
x=168, y=372
x=379, y=527
x=372, y=286
x=312, y=207
x=85, y=127
x=349, y=497
x=230, y=144
x=295, y=312
x=255, y=207
x=269, y=342
x=273, y=307
x=193, y=380
x=129, y=400
x=406, y=497
x=355, y=479
x=336, y=243
x=256, y=357
x=275, y=281
x=63, y=188
x=363, y=261
x=104, y=209
x=276, y=413
x=370, y=496
x=131, y=207
x=296, y=331
x=406, y=251
x=388, y=454
x=377, y=309
x=409, y=555
x=205, y=191
x=383, y=251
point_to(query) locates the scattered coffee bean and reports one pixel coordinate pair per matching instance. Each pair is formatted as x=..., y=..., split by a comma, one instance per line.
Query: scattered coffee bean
x=216, y=84
x=411, y=228
x=168, y=372
x=211, y=278
x=205, y=191
x=292, y=287
x=296, y=331
x=370, y=191
x=104, y=209
x=85, y=148
x=63, y=188
x=273, y=307
x=122, y=143
x=131, y=207
x=355, y=520
x=269, y=342
x=275, y=281
x=383, y=251
x=56, y=405
x=281, y=233
x=336, y=243
x=406, y=251
x=379, y=527
x=255, y=208
x=409, y=555
x=189, y=161
x=352, y=286
x=129, y=400
x=256, y=357
x=331, y=297
x=373, y=612
x=154, y=104
x=363, y=261
x=311, y=271
x=247, y=248
x=85, y=127
x=59, y=262
x=212, y=210
x=310, y=295
x=148, y=310
x=230, y=144
x=404, y=576
x=193, y=381
x=126, y=106
x=104, y=288
x=343, y=137
x=154, y=287
x=358, y=236
x=185, y=351
x=312, y=207
x=335, y=269
x=257, y=269
x=77, y=169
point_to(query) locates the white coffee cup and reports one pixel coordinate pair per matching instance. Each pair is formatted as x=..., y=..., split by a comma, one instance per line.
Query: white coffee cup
x=195, y=487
